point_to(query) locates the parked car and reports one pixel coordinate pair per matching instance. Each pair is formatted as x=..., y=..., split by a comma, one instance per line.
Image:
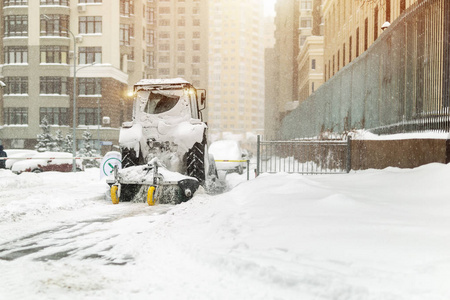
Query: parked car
x=47, y=161
x=228, y=150
x=15, y=155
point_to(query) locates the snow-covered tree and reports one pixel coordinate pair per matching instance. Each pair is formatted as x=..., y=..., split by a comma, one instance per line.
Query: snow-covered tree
x=68, y=144
x=45, y=140
x=87, y=151
x=58, y=141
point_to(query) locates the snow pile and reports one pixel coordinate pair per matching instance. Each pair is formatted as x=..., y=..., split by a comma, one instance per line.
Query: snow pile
x=376, y=234
x=367, y=135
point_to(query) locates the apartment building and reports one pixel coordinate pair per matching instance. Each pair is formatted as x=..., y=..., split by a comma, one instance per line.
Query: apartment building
x=287, y=49
x=236, y=69
x=310, y=57
x=182, y=39
x=352, y=26
x=111, y=44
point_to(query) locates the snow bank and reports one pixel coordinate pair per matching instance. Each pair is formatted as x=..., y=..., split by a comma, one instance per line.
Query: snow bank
x=375, y=234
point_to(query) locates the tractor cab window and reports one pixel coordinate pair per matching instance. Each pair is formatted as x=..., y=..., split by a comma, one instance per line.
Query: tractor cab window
x=159, y=102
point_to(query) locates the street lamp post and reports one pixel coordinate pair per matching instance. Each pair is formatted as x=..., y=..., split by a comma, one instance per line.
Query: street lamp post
x=74, y=115
x=74, y=125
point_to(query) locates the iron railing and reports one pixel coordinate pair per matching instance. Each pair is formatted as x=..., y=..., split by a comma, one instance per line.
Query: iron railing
x=304, y=156
x=400, y=84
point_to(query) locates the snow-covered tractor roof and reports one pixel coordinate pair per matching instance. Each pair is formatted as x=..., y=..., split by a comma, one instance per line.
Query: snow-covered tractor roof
x=159, y=83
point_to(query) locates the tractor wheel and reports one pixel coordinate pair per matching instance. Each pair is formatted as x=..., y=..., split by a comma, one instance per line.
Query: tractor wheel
x=113, y=194
x=195, y=161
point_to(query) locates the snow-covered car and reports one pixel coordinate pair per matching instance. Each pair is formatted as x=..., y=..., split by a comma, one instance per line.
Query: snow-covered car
x=15, y=155
x=231, y=151
x=47, y=161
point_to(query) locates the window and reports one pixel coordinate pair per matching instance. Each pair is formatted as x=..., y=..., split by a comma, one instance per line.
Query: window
x=196, y=59
x=164, y=10
x=196, y=46
x=89, y=55
x=54, y=54
x=16, y=115
x=124, y=33
x=89, y=25
x=126, y=7
x=357, y=42
x=55, y=2
x=164, y=59
x=16, y=55
x=312, y=87
x=313, y=64
x=150, y=37
x=306, y=23
x=54, y=25
x=54, y=115
x=149, y=14
x=402, y=6
x=164, y=71
x=343, y=55
x=16, y=85
x=181, y=35
x=89, y=116
x=196, y=22
x=366, y=34
x=181, y=22
x=15, y=2
x=89, y=1
x=350, y=50
x=388, y=10
x=89, y=86
x=306, y=4
x=181, y=59
x=196, y=34
x=16, y=25
x=164, y=47
x=180, y=72
x=53, y=85
x=181, y=47
x=375, y=24
x=338, y=60
x=181, y=10
x=164, y=22
x=151, y=59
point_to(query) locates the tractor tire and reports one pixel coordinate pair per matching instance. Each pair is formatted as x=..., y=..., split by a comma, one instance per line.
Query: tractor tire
x=195, y=162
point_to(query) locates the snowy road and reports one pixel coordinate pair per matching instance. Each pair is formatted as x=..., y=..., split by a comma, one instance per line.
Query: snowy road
x=366, y=235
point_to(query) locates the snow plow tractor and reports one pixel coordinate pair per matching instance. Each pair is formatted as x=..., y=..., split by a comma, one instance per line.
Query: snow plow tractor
x=164, y=148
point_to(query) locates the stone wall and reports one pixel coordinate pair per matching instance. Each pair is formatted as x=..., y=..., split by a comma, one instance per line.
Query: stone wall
x=405, y=153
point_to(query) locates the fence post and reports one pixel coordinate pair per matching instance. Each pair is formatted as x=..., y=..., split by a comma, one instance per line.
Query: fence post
x=349, y=154
x=258, y=154
x=248, y=169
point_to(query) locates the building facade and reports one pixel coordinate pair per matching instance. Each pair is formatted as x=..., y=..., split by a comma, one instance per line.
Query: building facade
x=286, y=51
x=236, y=69
x=310, y=58
x=182, y=40
x=352, y=26
x=111, y=45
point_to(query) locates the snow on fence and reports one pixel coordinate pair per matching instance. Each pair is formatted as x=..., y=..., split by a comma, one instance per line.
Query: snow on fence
x=304, y=156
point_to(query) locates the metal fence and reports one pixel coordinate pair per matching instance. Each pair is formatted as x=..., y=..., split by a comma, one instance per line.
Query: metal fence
x=400, y=84
x=304, y=156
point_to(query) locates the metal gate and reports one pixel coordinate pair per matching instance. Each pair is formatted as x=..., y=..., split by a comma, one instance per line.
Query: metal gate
x=304, y=156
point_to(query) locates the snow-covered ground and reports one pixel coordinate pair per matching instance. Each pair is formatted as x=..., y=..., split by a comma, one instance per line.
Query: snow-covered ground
x=375, y=234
